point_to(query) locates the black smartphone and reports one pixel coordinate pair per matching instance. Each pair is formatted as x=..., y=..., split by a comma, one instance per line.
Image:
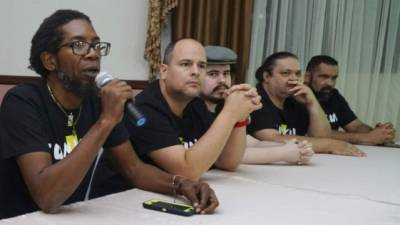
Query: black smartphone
x=169, y=207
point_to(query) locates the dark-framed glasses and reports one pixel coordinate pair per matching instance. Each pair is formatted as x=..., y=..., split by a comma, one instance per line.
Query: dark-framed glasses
x=82, y=48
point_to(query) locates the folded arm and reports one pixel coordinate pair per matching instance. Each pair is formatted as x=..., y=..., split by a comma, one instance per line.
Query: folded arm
x=320, y=145
x=222, y=144
x=266, y=152
x=193, y=162
x=358, y=133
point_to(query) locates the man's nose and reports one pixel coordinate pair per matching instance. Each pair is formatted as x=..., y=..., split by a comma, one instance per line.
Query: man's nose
x=195, y=70
x=330, y=82
x=294, y=77
x=222, y=78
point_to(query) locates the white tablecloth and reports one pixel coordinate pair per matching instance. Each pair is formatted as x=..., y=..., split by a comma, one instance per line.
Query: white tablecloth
x=331, y=190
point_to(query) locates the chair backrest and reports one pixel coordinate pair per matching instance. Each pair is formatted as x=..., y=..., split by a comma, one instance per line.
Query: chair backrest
x=3, y=90
x=7, y=82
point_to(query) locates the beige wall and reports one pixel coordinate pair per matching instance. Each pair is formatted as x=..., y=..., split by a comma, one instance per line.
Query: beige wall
x=121, y=22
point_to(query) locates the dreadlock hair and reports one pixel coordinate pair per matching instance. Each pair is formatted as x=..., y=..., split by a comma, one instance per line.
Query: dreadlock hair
x=49, y=36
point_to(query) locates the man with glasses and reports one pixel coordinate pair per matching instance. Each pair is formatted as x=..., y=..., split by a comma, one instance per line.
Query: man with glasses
x=52, y=131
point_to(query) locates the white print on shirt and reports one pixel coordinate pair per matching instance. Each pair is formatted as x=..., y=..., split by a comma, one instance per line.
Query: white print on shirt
x=58, y=152
x=188, y=144
x=332, y=118
x=283, y=130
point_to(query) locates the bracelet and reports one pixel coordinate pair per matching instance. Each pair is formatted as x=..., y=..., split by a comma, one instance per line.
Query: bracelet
x=242, y=123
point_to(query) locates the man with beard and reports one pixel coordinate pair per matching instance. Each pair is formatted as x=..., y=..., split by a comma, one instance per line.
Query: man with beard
x=321, y=75
x=181, y=136
x=52, y=132
x=290, y=109
x=221, y=62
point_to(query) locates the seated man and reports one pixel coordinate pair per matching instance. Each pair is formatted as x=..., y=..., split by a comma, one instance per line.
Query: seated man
x=181, y=136
x=321, y=76
x=290, y=109
x=52, y=131
x=220, y=69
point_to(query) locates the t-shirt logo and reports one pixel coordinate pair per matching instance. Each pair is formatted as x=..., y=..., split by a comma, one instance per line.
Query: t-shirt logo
x=187, y=144
x=332, y=118
x=284, y=130
x=60, y=153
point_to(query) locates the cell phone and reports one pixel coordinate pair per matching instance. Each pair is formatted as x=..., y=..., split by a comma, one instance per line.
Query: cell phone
x=169, y=207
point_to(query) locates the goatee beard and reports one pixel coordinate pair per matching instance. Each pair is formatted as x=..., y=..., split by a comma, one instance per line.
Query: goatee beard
x=215, y=100
x=77, y=87
x=212, y=99
x=325, y=94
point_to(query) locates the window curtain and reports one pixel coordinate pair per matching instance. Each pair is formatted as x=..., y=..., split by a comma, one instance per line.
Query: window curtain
x=216, y=22
x=363, y=35
x=157, y=16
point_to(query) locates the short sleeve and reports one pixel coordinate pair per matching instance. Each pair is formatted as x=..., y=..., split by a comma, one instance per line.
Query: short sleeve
x=117, y=136
x=21, y=126
x=158, y=131
x=345, y=113
x=302, y=120
x=261, y=119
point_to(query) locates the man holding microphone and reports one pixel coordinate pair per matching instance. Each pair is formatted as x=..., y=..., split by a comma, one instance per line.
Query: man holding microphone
x=52, y=131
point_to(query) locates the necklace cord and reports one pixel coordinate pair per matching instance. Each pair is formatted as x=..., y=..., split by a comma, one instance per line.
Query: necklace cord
x=71, y=122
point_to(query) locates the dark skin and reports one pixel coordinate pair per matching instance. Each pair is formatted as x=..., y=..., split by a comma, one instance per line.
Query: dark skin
x=52, y=184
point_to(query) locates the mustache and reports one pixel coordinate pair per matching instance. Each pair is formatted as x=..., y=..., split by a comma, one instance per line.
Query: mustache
x=326, y=90
x=76, y=86
x=219, y=86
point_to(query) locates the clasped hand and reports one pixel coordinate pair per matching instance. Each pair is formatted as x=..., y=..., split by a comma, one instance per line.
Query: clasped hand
x=241, y=100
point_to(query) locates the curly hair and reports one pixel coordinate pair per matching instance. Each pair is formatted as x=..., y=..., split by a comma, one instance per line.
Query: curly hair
x=49, y=36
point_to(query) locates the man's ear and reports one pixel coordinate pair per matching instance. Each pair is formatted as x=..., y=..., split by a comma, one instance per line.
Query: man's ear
x=266, y=76
x=48, y=60
x=163, y=71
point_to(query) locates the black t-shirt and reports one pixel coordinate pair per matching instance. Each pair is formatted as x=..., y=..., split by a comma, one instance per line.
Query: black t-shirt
x=338, y=111
x=292, y=120
x=163, y=128
x=32, y=122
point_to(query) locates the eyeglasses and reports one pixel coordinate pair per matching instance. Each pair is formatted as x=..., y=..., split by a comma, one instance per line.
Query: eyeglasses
x=82, y=48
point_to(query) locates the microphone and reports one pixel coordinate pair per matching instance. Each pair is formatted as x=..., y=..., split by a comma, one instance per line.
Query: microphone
x=139, y=119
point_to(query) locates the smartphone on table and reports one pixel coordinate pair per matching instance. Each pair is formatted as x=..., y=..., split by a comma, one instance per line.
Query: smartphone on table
x=169, y=207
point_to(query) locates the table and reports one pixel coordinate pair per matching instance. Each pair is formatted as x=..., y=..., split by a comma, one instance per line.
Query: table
x=331, y=190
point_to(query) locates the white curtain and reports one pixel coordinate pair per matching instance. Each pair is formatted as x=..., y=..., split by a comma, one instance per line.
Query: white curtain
x=363, y=35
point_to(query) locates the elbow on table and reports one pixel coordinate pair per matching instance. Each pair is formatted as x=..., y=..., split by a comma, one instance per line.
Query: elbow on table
x=49, y=210
x=47, y=204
